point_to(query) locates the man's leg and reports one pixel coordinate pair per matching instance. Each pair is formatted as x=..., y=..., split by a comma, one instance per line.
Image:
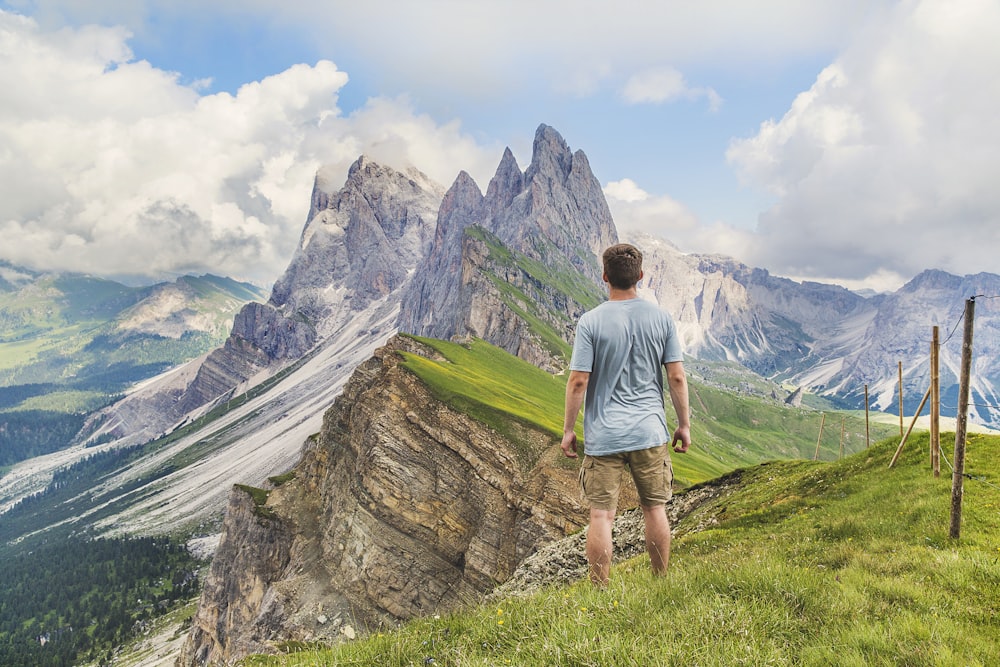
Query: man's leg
x=599, y=545
x=657, y=537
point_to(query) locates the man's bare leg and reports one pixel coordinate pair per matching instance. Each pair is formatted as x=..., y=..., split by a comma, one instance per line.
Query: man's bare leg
x=599, y=545
x=657, y=536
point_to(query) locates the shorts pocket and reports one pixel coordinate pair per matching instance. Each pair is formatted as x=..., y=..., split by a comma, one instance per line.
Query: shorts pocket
x=668, y=477
x=586, y=470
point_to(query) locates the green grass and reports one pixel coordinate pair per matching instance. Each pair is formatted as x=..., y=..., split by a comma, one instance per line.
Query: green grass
x=729, y=431
x=809, y=563
x=494, y=387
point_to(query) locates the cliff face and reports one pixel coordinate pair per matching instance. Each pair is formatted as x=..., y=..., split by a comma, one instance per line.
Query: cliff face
x=358, y=249
x=517, y=265
x=401, y=506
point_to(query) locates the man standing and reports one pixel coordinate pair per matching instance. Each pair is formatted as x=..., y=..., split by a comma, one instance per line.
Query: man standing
x=618, y=353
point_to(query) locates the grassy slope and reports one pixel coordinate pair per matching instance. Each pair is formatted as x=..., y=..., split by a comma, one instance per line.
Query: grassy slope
x=809, y=563
x=729, y=431
x=61, y=329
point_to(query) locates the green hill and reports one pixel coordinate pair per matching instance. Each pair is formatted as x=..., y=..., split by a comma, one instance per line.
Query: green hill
x=730, y=429
x=805, y=563
x=71, y=344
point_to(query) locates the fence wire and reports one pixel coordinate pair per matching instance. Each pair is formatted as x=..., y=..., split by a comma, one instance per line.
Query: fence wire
x=975, y=478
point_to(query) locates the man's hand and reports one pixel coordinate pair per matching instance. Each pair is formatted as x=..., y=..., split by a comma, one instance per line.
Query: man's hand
x=576, y=392
x=682, y=435
x=569, y=445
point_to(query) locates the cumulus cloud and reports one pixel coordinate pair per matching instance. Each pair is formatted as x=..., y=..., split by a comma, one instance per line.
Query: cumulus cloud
x=634, y=209
x=111, y=166
x=665, y=84
x=488, y=48
x=886, y=165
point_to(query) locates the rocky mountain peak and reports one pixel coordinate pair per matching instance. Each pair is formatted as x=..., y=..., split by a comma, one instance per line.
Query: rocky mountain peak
x=553, y=215
x=550, y=155
x=932, y=279
x=561, y=210
x=507, y=183
x=361, y=243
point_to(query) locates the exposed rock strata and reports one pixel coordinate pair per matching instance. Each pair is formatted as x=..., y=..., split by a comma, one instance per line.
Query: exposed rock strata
x=400, y=507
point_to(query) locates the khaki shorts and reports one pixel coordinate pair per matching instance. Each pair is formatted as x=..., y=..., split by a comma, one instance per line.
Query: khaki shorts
x=601, y=477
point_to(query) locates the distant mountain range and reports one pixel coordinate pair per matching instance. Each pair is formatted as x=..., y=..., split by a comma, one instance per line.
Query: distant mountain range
x=827, y=339
x=71, y=343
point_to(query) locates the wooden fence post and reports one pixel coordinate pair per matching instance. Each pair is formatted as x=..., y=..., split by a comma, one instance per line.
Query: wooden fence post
x=935, y=404
x=820, y=438
x=961, y=422
x=868, y=433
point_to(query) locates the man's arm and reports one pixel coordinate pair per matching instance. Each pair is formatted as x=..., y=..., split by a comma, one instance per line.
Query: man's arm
x=677, y=384
x=576, y=391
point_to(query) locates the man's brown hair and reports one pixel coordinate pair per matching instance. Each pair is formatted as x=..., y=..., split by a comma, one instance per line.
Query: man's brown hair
x=622, y=265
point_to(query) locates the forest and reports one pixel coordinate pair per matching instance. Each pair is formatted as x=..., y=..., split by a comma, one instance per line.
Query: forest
x=75, y=600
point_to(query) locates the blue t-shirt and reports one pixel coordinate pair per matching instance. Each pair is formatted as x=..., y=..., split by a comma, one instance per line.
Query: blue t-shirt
x=623, y=345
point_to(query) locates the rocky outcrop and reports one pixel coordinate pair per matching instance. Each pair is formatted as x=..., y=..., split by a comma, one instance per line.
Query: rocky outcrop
x=259, y=551
x=517, y=265
x=402, y=506
x=360, y=244
x=357, y=252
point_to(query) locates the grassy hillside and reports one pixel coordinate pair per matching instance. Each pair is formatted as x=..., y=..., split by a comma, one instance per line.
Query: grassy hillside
x=805, y=563
x=730, y=430
x=71, y=344
x=544, y=310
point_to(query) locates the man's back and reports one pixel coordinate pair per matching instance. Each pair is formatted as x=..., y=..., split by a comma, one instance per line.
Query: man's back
x=623, y=345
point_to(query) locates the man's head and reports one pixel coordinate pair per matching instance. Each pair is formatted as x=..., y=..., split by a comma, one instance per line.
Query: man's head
x=622, y=266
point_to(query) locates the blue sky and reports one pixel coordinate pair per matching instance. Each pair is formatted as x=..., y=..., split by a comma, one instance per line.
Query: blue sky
x=837, y=140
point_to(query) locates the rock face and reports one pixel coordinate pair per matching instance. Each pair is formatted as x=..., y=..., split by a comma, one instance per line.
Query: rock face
x=358, y=249
x=518, y=265
x=401, y=506
x=259, y=550
x=361, y=243
x=826, y=338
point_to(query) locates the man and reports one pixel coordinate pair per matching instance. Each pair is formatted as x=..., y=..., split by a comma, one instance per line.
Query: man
x=618, y=353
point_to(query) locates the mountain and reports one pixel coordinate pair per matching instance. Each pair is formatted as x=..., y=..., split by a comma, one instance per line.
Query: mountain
x=518, y=265
x=242, y=411
x=72, y=343
x=359, y=245
x=826, y=338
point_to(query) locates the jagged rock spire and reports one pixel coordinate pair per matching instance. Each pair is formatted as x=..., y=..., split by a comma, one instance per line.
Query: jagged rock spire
x=361, y=243
x=554, y=214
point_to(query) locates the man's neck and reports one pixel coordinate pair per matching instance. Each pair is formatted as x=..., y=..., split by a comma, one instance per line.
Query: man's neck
x=615, y=294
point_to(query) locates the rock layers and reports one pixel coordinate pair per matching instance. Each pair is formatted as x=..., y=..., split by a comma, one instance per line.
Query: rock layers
x=401, y=506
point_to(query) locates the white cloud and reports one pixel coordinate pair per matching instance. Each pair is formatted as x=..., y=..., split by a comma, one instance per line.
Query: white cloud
x=489, y=48
x=887, y=165
x=634, y=209
x=110, y=166
x=665, y=84
x=625, y=190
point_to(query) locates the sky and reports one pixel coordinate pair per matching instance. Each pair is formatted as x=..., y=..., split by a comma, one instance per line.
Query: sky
x=844, y=141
